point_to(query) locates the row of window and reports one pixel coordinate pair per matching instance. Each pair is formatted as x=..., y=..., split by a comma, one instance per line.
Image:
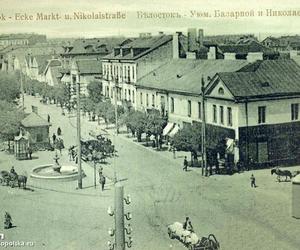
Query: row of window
x=128, y=94
x=262, y=113
x=221, y=115
x=147, y=99
x=125, y=71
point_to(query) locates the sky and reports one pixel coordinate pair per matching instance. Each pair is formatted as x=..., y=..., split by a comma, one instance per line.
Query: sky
x=261, y=26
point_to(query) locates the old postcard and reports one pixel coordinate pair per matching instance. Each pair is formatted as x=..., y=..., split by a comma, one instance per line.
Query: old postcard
x=150, y=125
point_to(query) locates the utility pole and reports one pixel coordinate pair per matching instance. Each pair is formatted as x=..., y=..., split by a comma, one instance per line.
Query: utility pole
x=78, y=136
x=116, y=124
x=203, y=130
x=119, y=217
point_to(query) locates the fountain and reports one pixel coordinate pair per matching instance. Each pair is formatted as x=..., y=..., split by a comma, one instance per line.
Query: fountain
x=56, y=171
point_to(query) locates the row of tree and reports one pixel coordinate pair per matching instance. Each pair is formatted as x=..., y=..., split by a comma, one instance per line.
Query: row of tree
x=11, y=113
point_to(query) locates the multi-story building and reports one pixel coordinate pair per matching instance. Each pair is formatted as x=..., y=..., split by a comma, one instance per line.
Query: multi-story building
x=21, y=39
x=134, y=58
x=84, y=72
x=253, y=106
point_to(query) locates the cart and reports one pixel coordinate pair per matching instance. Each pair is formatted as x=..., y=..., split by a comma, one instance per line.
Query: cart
x=190, y=239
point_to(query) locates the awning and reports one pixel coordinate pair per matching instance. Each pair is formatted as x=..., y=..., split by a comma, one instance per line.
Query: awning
x=168, y=128
x=66, y=78
x=174, y=130
x=229, y=146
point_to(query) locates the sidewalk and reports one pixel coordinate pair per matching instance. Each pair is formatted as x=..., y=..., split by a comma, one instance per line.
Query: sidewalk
x=179, y=155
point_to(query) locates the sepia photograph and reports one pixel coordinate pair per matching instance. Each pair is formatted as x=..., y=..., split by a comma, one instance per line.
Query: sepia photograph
x=150, y=125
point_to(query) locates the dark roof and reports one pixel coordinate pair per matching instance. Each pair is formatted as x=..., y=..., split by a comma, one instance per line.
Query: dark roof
x=89, y=66
x=264, y=78
x=252, y=46
x=93, y=46
x=34, y=120
x=145, y=44
x=182, y=75
x=42, y=61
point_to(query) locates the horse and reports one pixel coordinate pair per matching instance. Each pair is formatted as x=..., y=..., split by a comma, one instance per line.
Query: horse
x=22, y=179
x=280, y=173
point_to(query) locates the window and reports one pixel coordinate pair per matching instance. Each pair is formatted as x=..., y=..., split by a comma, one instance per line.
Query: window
x=261, y=114
x=125, y=94
x=133, y=96
x=153, y=100
x=221, y=114
x=221, y=91
x=129, y=95
x=189, y=108
x=141, y=98
x=147, y=100
x=172, y=105
x=294, y=111
x=133, y=73
x=128, y=73
x=214, y=113
x=229, y=116
x=199, y=110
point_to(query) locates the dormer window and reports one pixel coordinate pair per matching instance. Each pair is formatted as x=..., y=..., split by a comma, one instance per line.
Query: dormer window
x=221, y=91
x=265, y=84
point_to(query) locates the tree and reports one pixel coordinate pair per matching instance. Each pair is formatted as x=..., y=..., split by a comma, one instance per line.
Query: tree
x=95, y=91
x=10, y=120
x=135, y=121
x=9, y=87
x=188, y=139
x=155, y=124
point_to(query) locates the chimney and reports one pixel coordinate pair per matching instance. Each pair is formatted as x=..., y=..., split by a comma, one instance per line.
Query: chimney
x=175, y=42
x=200, y=37
x=192, y=45
x=212, y=53
x=229, y=56
x=254, y=56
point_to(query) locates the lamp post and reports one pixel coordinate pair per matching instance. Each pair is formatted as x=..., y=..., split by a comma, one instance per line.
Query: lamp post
x=120, y=231
x=203, y=130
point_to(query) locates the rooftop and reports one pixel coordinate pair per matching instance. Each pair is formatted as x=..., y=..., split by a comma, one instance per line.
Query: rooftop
x=263, y=79
x=89, y=66
x=34, y=120
x=182, y=75
x=143, y=44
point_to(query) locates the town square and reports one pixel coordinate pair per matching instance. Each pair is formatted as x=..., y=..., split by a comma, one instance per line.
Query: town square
x=155, y=139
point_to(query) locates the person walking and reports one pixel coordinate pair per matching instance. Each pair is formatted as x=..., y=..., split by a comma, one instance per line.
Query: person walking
x=252, y=179
x=48, y=118
x=53, y=138
x=185, y=164
x=102, y=181
x=29, y=150
x=59, y=131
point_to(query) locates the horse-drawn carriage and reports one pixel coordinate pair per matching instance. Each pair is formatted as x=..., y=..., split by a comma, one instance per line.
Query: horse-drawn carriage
x=190, y=239
x=12, y=179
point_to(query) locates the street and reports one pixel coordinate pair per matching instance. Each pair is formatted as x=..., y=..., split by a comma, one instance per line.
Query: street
x=54, y=215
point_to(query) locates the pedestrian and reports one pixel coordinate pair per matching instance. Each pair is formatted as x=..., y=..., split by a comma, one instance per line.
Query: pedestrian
x=185, y=164
x=7, y=221
x=102, y=181
x=29, y=150
x=76, y=159
x=53, y=138
x=253, y=184
x=48, y=118
x=174, y=152
x=59, y=131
